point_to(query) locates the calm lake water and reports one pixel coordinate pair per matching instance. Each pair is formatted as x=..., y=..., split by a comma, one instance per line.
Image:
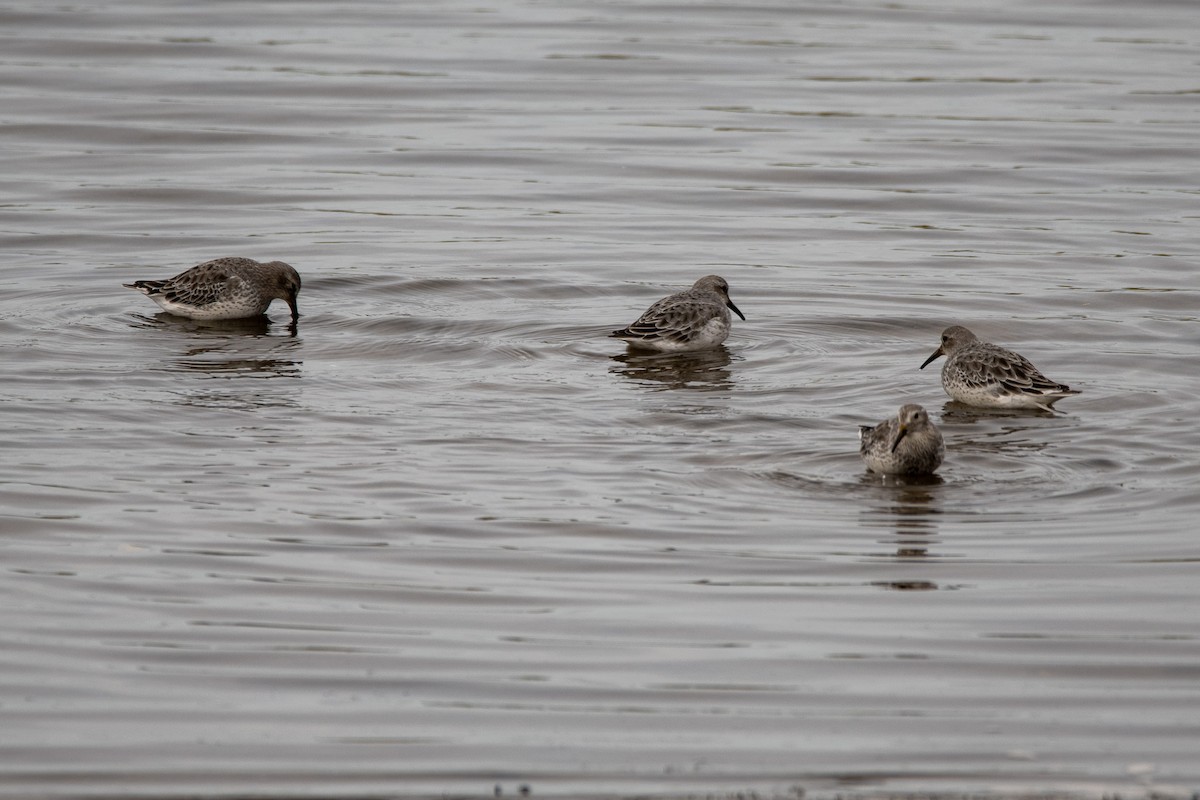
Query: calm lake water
x=445, y=536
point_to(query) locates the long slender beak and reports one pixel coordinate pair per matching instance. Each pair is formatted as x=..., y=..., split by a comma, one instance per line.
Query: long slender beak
x=900, y=434
x=936, y=354
x=291, y=301
x=734, y=309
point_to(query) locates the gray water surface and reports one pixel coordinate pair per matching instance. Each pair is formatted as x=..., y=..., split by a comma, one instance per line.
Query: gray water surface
x=445, y=535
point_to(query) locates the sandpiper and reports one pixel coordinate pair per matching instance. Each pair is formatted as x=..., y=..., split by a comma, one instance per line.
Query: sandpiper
x=225, y=288
x=694, y=319
x=987, y=375
x=907, y=444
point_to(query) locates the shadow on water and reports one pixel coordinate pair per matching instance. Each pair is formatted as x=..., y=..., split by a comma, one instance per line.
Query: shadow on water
x=232, y=359
x=706, y=370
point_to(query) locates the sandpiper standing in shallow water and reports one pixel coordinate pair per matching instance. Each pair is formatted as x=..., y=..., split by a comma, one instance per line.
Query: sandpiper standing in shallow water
x=226, y=288
x=981, y=374
x=694, y=319
x=907, y=444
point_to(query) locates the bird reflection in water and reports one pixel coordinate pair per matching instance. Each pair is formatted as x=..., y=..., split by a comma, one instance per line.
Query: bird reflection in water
x=252, y=326
x=912, y=507
x=233, y=359
x=956, y=412
x=996, y=436
x=704, y=370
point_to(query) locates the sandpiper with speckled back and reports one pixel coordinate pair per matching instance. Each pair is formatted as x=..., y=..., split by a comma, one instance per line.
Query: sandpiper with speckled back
x=987, y=375
x=906, y=444
x=225, y=288
x=694, y=319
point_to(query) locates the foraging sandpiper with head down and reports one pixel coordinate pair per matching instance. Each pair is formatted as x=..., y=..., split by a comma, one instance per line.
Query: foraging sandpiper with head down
x=694, y=319
x=225, y=288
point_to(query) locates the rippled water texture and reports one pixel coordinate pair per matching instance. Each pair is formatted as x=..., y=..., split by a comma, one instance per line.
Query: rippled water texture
x=447, y=536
